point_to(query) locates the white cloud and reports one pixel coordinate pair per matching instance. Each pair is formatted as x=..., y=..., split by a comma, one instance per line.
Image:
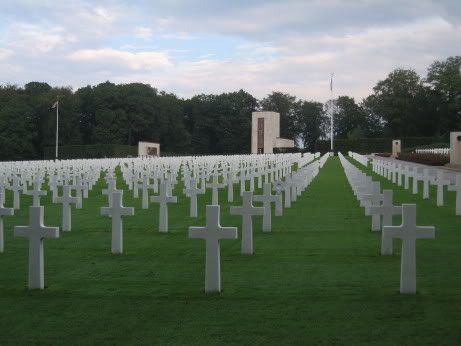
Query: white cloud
x=134, y=61
x=5, y=53
x=37, y=39
x=177, y=36
x=143, y=32
x=260, y=46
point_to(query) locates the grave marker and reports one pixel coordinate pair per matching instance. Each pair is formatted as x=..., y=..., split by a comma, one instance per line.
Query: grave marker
x=163, y=199
x=408, y=232
x=267, y=198
x=116, y=212
x=66, y=200
x=457, y=188
x=36, y=232
x=3, y=212
x=213, y=232
x=247, y=211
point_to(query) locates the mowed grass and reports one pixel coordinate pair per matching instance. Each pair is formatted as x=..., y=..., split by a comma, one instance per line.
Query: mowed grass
x=317, y=278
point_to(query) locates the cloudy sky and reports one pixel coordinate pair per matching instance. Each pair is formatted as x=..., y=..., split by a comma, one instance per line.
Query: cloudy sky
x=213, y=46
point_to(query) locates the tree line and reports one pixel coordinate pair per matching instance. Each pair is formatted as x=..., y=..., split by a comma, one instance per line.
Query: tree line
x=403, y=104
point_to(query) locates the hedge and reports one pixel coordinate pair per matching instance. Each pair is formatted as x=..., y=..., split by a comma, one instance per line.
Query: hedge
x=374, y=145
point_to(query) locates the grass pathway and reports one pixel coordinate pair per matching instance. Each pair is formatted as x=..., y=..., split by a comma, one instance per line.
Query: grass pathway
x=318, y=278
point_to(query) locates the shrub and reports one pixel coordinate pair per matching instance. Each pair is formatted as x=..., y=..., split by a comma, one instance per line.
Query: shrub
x=426, y=158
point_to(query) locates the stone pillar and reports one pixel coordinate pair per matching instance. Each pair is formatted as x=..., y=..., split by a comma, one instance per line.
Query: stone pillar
x=396, y=147
x=455, y=149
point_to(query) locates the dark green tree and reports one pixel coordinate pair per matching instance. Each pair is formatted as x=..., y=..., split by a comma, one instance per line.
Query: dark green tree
x=17, y=132
x=349, y=119
x=444, y=83
x=285, y=104
x=396, y=102
x=310, y=121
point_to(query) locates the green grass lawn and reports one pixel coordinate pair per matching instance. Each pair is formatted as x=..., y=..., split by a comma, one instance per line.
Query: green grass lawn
x=317, y=278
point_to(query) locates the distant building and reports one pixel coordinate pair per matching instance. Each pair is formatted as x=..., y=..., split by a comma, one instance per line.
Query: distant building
x=265, y=133
x=148, y=149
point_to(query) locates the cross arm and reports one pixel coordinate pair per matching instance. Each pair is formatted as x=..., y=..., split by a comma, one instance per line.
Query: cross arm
x=127, y=211
x=22, y=231
x=50, y=232
x=106, y=211
x=228, y=232
x=236, y=211
x=197, y=232
x=393, y=231
x=425, y=232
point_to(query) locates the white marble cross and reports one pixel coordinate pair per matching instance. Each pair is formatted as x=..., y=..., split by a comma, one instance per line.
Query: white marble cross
x=399, y=170
x=374, y=200
x=79, y=188
x=287, y=191
x=457, y=188
x=53, y=185
x=426, y=180
x=192, y=191
x=267, y=198
x=111, y=187
x=247, y=211
x=145, y=190
x=137, y=184
x=387, y=210
x=66, y=200
x=16, y=187
x=440, y=182
x=36, y=192
x=278, y=188
x=213, y=232
x=116, y=212
x=3, y=212
x=406, y=172
x=415, y=178
x=36, y=232
x=230, y=186
x=215, y=185
x=163, y=199
x=408, y=232
x=242, y=177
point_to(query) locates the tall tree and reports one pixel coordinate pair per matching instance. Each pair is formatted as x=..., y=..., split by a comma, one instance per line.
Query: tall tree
x=396, y=102
x=221, y=123
x=444, y=82
x=285, y=104
x=310, y=120
x=349, y=119
x=17, y=132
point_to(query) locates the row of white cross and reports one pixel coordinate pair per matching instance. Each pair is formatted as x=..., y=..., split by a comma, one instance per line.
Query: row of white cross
x=213, y=232
x=401, y=174
x=445, y=151
x=81, y=175
x=363, y=159
x=379, y=204
x=291, y=186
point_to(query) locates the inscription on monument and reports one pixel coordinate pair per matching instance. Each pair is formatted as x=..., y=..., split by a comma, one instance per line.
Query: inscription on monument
x=260, y=136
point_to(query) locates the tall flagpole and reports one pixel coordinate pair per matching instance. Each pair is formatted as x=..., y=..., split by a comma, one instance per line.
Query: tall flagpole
x=331, y=111
x=57, y=128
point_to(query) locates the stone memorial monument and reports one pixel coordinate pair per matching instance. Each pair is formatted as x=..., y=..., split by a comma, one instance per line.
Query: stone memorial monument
x=265, y=133
x=148, y=149
x=396, y=147
x=455, y=150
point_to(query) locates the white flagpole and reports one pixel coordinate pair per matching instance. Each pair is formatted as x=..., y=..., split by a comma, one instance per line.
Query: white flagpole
x=331, y=111
x=57, y=128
